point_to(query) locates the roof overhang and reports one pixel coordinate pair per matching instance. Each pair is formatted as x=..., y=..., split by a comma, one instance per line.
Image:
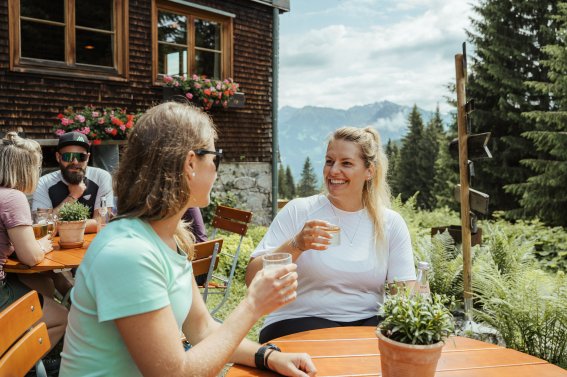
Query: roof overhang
x=282, y=5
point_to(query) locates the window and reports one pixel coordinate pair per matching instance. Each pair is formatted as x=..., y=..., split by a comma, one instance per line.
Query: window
x=69, y=37
x=189, y=40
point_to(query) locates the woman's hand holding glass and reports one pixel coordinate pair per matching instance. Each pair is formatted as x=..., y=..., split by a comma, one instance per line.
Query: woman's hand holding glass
x=46, y=243
x=315, y=235
x=272, y=288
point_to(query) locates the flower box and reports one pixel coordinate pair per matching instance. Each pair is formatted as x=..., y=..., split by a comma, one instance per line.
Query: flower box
x=204, y=92
x=96, y=124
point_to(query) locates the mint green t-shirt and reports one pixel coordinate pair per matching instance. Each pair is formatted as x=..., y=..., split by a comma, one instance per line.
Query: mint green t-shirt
x=127, y=270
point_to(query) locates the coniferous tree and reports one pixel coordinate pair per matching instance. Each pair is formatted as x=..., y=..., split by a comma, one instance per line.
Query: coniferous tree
x=543, y=194
x=507, y=35
x=393, y=154
x=446, y=171
x=411, y=174
x=290, y=183
x=282, y=183
x=430, y=149
x=308, y=182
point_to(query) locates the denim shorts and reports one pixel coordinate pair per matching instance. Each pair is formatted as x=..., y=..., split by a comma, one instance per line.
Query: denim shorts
x=12, y=289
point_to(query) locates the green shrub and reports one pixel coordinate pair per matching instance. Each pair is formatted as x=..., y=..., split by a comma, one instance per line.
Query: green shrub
x=528, y=308
x=74, y=211
x=446, y=261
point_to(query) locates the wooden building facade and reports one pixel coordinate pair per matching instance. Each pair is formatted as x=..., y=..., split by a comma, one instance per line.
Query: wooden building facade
x=47, y=64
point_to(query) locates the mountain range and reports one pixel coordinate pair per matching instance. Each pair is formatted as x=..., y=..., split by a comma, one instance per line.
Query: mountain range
x=303, y=132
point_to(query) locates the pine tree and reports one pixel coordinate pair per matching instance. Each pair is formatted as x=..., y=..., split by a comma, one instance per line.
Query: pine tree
x=412, y=172
x=507, y=37
x=393, y=154
x=290, y=184
x=308, y=182
x=543, y=194
x=434, y=134
x=282, y=184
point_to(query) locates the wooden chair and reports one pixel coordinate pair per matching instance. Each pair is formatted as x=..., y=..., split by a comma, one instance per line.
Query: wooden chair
x=206, y=260
x=22, y=344
x=230, y=220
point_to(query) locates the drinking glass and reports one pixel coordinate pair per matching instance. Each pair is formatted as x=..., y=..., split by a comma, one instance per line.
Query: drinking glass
x=39, y=225
x=333, y=229
x=52, y=224
x=275, y=260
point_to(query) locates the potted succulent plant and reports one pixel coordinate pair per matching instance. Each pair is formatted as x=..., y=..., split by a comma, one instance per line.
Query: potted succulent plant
x=71, y=224
x=413, y=333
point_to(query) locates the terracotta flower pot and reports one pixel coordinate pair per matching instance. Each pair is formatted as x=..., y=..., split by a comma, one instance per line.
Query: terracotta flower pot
x=71, y=233
x=407, y=360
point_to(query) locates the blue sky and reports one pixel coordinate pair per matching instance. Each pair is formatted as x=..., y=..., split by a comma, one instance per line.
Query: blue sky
x=342, y=53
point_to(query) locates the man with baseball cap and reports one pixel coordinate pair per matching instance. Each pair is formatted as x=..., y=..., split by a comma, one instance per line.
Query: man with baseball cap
x=74, y=181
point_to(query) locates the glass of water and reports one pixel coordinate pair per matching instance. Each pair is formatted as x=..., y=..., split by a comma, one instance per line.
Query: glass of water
x=333, y=229
x=275, y=260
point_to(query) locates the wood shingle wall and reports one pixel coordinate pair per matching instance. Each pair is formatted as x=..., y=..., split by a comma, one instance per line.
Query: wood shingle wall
x=32, y=101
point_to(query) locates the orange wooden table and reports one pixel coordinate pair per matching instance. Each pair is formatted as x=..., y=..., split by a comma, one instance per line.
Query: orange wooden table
x=353, y=351
x=57, y=259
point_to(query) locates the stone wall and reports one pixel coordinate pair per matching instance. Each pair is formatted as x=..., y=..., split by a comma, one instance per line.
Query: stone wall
x=251, y=185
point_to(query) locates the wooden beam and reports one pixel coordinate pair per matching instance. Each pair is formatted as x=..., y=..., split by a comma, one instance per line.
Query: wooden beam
x=460, y=71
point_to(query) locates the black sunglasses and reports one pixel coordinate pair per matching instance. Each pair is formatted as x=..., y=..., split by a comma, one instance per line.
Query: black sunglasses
x=218, y=156
x=70, y=156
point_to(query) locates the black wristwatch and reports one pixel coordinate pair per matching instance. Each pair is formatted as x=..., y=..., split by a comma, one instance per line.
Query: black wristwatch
x=259, y=356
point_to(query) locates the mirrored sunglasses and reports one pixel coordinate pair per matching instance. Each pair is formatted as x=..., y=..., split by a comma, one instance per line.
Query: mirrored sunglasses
x=70, y=156
x=217, y=159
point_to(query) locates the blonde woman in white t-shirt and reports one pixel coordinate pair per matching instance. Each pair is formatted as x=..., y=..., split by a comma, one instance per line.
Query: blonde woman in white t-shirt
x=340, y=285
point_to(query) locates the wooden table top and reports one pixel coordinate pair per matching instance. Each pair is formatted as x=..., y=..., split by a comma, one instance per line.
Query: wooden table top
x=353, y=351
x=57, y=259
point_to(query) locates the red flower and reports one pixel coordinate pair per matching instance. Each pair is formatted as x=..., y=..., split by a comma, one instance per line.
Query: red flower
x=59, y=116
x=97, y=142
x=207, y=92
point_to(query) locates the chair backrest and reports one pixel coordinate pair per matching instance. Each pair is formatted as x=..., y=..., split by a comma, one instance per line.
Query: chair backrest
x=206, y=255
x=235, y=221
x=22, y=344
x=232, y=220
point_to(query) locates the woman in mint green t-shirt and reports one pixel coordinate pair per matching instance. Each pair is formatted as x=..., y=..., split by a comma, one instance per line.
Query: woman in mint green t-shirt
x=135, y=295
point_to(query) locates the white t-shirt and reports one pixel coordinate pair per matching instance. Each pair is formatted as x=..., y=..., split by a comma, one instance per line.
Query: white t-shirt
x=344, y=283
x=52, y=189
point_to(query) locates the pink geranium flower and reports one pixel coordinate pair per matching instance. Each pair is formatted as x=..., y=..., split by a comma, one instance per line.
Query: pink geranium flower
x=202, y=90
x=97, y=124
x=66, y=122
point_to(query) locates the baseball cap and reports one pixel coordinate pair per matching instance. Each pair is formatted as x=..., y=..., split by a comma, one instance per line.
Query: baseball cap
x=73, y=138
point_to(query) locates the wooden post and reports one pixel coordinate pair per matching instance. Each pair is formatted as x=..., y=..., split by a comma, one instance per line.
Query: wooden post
x=464, y=179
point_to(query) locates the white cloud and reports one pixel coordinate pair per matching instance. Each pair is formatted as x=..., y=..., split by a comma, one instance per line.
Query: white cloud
x=407, y=58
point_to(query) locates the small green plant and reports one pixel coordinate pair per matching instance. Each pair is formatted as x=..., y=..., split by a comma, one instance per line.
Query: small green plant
x=73, y=212
x=416, y=319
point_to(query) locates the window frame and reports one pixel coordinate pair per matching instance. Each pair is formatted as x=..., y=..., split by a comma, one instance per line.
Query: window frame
x=70, y=67
x=227, y=40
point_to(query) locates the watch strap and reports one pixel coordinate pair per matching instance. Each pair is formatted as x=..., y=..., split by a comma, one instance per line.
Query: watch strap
x=259, y=355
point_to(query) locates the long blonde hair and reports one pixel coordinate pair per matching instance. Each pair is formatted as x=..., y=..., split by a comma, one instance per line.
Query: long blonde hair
x=151, y=182
x=376, y=191
x=20, y=163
